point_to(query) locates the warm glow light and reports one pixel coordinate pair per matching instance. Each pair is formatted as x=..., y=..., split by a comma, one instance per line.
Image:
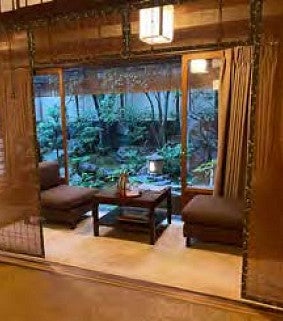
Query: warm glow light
x=157, y=24
x=10, y=5
x=198, y=66
x=152, y=167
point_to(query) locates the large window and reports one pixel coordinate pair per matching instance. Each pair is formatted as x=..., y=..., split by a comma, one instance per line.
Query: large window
x=200, y=120
x=49, y=118
x=117, y=119
x=202, y=136
x=123, y=118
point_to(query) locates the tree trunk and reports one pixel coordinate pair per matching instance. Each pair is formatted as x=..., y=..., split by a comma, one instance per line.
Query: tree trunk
x=177, y=108
x=101, y=123
x=97, y=107
x=165, y=120
x=153, y=127
x=122, y=103
x=160, y=118
x=77, y=106
x=151, y=106
x=159, y=106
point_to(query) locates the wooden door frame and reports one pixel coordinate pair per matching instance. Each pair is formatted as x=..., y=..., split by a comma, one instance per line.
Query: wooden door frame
x=62, y=93
x=189, y=192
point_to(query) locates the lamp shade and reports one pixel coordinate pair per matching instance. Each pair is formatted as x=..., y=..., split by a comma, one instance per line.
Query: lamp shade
x=155, y=164
x=198, y=66
x=157, y=24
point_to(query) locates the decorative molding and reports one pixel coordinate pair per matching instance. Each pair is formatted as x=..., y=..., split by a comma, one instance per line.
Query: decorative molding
x=256, y=34
x=185, y=49
x=126, y=30
x=132, y=55
x=51, y=17
x=154, y=3
x=36, y=149
x=256, y=8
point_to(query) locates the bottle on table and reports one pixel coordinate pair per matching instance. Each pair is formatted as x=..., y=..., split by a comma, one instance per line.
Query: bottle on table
x=122, y=183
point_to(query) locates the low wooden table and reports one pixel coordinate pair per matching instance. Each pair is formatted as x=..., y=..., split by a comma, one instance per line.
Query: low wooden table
x=147, y=200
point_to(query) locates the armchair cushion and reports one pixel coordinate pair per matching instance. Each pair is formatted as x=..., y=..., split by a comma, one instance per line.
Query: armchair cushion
x=214, y=211
x=66, y=197
x=215, y=219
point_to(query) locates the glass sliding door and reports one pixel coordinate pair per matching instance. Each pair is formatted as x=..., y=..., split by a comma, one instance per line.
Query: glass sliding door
x=51, y=117
x=200, y=87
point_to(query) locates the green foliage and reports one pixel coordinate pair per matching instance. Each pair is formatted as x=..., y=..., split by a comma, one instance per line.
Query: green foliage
x=84, y=134
x=86, y=140
x=49, y=132
x=202, y=104
x=205, y=167
x=135, y=119
x=137, y=134
x=77, y=160
x=171, y=155
x=203, y=174
x=134, y=161
x=108, y=111
x=203, y=116
x=89, y=180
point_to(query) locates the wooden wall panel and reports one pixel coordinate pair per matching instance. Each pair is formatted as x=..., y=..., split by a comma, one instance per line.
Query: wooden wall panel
x=78, y=40
x=201, y=22
x=92, y=38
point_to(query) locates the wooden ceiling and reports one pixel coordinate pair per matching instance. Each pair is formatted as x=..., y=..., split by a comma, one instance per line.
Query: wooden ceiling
x=192, y=14
x=55, y=8
x=65, y=7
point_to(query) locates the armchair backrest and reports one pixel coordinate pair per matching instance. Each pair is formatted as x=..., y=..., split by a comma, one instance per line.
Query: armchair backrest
x=49, y=174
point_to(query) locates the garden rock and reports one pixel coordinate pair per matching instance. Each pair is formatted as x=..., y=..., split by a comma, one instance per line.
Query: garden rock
x=88, y=168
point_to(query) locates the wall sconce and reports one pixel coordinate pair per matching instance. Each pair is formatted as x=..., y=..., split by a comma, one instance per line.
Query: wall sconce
x=157, y=24
x=198, y=66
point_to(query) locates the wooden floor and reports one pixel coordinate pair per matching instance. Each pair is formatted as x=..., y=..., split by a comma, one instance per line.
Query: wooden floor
x=210, y=269
x=37, y=290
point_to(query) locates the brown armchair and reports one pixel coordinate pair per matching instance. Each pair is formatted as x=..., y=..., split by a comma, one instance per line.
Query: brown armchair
x=214, y=219
x=60, y=202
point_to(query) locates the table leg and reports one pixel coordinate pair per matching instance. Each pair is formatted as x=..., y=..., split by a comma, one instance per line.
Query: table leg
x=151, y=226
x=95, y=219
x=169, y=206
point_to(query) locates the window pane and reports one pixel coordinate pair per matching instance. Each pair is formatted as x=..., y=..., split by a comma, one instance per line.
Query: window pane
x=202, y=121
x=119, y=118
x=48, y=119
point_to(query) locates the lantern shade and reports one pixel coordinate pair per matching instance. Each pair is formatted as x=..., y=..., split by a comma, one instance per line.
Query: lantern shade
x=157, y=24
x=155, y=164
x=198, y=66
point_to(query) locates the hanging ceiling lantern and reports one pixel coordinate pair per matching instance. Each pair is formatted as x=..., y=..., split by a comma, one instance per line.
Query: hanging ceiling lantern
x=198, y=66
x=157, y=24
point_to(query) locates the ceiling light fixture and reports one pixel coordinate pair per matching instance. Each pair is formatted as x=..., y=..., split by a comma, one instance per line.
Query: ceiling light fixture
x=157, y=24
